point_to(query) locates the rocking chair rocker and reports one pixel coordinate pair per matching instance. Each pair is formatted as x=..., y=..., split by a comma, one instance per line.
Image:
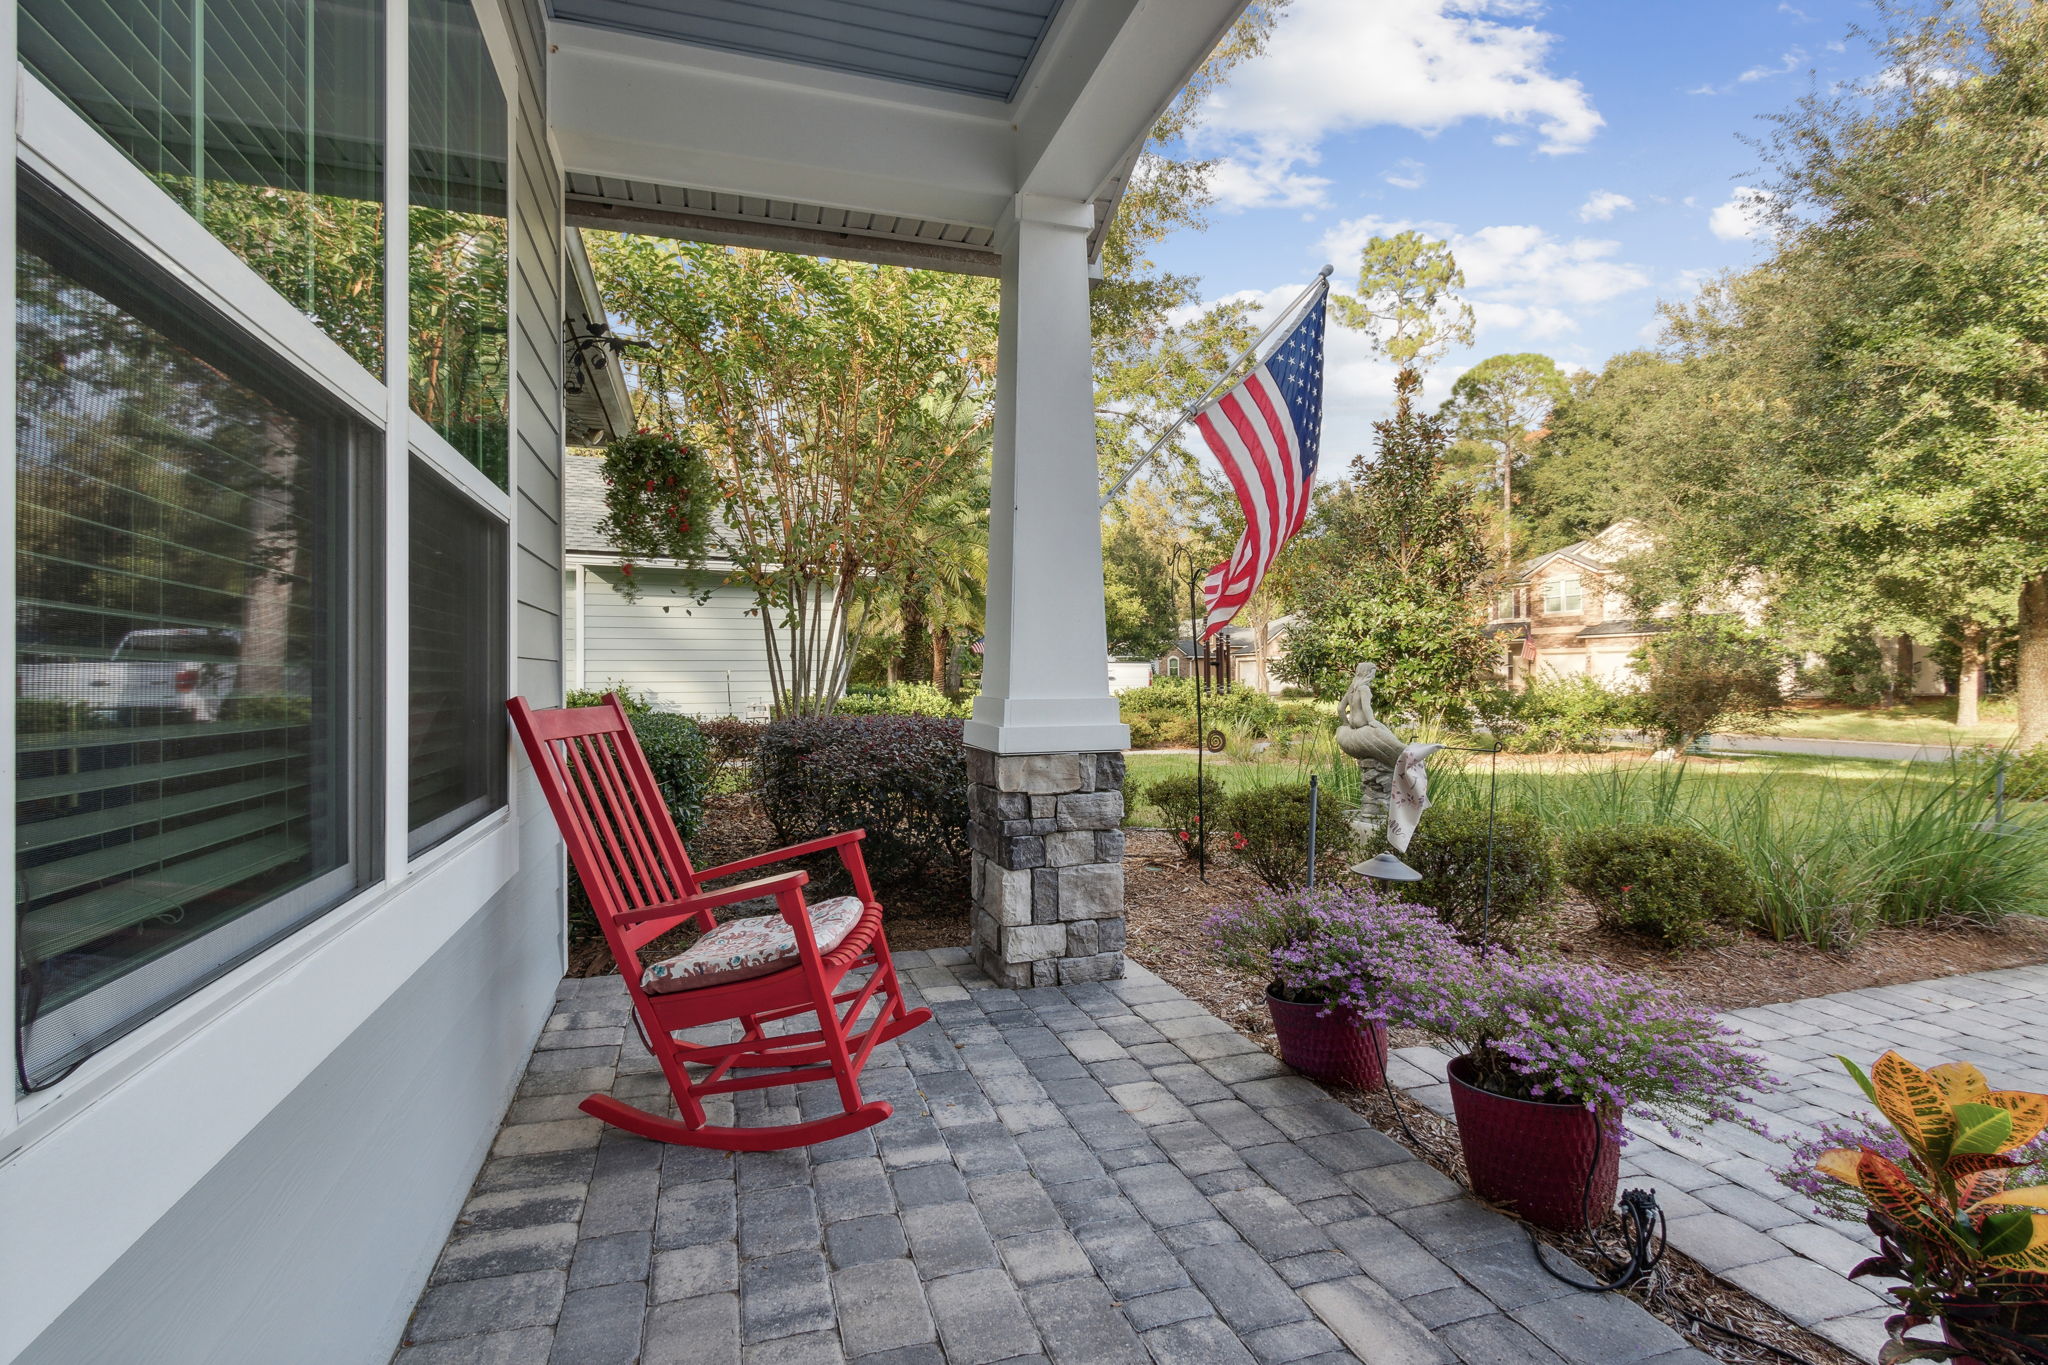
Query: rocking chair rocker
x=641, y=885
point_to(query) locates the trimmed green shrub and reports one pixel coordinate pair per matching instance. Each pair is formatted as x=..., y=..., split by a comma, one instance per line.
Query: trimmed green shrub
x=1562, y=715
x=1266, y=829
x=636, y=703
x=1672, y=883
x=1177, y=800
x=1450, y=850
x=1170, y=703
x=2026, y=775
x=903, y=779
x=902, y=699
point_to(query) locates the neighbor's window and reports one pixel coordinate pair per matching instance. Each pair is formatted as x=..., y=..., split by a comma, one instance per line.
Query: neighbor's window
x=459, y=244
x=185, y=722
x=263, y=118
x=1173, y=666
x=1504, y=605
x=1563, y=594
x=457, y=725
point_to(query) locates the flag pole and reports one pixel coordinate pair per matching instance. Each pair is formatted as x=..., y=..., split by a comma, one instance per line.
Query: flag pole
x=1229, y=377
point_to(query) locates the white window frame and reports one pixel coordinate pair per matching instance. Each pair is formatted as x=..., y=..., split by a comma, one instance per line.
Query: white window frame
x=81, y=164
x=1556, y=601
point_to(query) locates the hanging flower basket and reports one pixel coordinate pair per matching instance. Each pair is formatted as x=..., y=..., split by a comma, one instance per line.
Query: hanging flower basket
x=1550, y=1162
x=659, y=497
x=1335, y=1042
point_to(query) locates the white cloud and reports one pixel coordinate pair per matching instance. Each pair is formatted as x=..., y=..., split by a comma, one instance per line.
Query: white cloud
x=1432, y=64
x=1602, y=205
x=1407, y=174
x=1742, y=216
x=1787, y=64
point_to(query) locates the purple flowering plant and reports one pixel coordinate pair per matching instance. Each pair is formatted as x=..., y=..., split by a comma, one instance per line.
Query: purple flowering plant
x=1337, y=945
x=1575, y=1034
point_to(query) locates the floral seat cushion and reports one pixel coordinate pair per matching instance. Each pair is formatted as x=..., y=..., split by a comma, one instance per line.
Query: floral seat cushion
x=755, y=946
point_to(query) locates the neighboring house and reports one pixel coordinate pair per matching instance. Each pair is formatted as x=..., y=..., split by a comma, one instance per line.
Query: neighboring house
x=691, y=639
x=297, y=370
x=1564, y=614
x=1242, y=654
x=1125, y=674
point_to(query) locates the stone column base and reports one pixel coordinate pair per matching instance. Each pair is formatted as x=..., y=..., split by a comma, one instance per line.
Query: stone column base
x=1048, y=872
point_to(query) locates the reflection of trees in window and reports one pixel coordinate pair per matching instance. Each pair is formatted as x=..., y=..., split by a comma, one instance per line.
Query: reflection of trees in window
x=458, y=241
x=263, y=118
x=460, y=286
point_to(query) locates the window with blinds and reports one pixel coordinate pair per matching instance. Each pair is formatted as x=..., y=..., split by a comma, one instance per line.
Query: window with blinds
x=459, y=247
x=456, y=771
x=185, y=661
x=263, y=118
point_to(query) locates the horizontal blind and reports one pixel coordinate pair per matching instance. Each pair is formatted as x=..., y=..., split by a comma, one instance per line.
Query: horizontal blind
x=456, y=726
x=181, y=640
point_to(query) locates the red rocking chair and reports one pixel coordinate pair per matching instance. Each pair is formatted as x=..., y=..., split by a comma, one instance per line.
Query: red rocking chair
x=641, y=885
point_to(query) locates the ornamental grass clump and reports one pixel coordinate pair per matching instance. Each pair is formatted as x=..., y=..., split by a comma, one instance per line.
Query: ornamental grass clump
x=1339, y=946
x=1614, y=1043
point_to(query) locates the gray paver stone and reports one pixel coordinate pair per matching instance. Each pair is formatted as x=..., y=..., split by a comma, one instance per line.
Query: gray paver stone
x=1080, y=1326
x=615, y=1259
x=688, y=1272
x=601, y=1326
x=472, y=1307
x=1391, y=1257
x=1197, y=1341
x=1131, y=1260
x=878, y=1237
x=812, y=1348
x=1598, y=1329
x=778, y=1220
x=1034, y=1258
x=523, y=1346
x=980, y=1318
x=1174, y=1305
x=1244, y=1288
x=881, y=1307
x=508, y=1251
x=1802, y=1291
x=1372, y=1324
x=781, y=1296
x=1721, y=1243
x=1497, y=1340
x=946, y=1239
x=1271, y=1223
x=699, y=1331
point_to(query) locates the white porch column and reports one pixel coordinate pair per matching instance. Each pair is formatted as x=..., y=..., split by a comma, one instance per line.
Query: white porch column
x=1045, y=671
x=1045, y=747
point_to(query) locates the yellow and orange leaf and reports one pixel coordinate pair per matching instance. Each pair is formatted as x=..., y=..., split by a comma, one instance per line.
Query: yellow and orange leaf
x=1960, y=1081
x=2029, y=1196
x=1915, y=1104
x=1840, y=1163
x=2029, y=1114
x=1890, y=1192
x=2035, y=1255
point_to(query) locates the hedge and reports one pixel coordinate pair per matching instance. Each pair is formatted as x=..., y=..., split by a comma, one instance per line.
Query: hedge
x=1674, y=884
x=903, y=779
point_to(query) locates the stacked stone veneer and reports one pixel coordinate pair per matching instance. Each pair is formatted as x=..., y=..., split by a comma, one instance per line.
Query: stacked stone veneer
x=1048, y=873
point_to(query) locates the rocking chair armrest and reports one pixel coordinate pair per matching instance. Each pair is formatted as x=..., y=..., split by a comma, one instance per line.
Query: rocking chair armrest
x=712, y=900
x=783, y=855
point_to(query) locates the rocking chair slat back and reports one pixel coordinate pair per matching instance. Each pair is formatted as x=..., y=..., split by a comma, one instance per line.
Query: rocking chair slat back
x=619, y=832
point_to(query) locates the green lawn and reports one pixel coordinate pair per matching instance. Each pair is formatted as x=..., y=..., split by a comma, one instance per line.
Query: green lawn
x=1925, y=722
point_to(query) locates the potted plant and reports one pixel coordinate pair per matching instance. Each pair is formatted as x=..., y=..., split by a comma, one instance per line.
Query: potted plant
x=1554, y=1057
x=1953, y=1180
x=1330, y=956
x=659, y=497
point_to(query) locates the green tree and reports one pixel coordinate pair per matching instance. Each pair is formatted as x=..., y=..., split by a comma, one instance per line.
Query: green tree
x=1709, y=674
x=1874, y=399
x=1500, y=405
x=831, y=396
x=1581, y=476
x=1407, y=302
x=1396, y=571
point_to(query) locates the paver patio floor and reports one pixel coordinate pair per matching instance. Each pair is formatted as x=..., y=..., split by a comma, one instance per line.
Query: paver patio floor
x=1729, y=1212
x=1089, y=1175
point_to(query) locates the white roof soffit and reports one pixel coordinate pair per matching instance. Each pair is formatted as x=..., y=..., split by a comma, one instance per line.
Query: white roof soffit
x=678, y=139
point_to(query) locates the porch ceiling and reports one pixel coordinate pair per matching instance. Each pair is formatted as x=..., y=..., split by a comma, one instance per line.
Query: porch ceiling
x=976, y=47
x=774, y=127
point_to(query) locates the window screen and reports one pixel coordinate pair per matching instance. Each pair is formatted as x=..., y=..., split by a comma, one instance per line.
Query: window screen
x=457, y=726
x=183, y=642
x=459, y=262
x=264, y=118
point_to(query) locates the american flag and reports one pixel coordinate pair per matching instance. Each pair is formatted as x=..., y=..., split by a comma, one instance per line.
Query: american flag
x=1266, y=434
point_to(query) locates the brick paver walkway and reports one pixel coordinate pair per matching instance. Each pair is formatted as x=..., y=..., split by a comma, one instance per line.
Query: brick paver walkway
x=1726, y=1209
x=1087, y=1175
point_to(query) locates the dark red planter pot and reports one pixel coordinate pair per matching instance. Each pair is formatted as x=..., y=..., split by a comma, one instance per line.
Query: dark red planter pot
x=1342, y=1045
x=1532, y=1157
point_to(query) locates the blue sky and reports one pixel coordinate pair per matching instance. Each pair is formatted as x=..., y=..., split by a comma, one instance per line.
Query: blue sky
x=1584, y=160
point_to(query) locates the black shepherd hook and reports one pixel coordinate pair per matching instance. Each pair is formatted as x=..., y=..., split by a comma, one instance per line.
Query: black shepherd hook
x=1198, y=646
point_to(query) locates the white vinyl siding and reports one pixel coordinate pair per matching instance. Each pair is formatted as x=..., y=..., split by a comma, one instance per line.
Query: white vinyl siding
x=684, y=652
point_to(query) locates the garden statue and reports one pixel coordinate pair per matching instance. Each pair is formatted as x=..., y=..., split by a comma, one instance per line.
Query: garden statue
x=1393, y=783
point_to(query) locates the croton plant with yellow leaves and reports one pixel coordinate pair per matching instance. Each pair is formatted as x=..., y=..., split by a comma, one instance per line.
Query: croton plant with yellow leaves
x=1959, y=1207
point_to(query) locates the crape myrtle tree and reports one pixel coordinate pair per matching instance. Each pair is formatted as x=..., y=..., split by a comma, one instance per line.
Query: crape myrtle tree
x=1867, y=412
x=838, y=401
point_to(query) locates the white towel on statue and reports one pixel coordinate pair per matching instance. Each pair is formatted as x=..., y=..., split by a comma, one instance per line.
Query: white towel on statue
x=1410, y=795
